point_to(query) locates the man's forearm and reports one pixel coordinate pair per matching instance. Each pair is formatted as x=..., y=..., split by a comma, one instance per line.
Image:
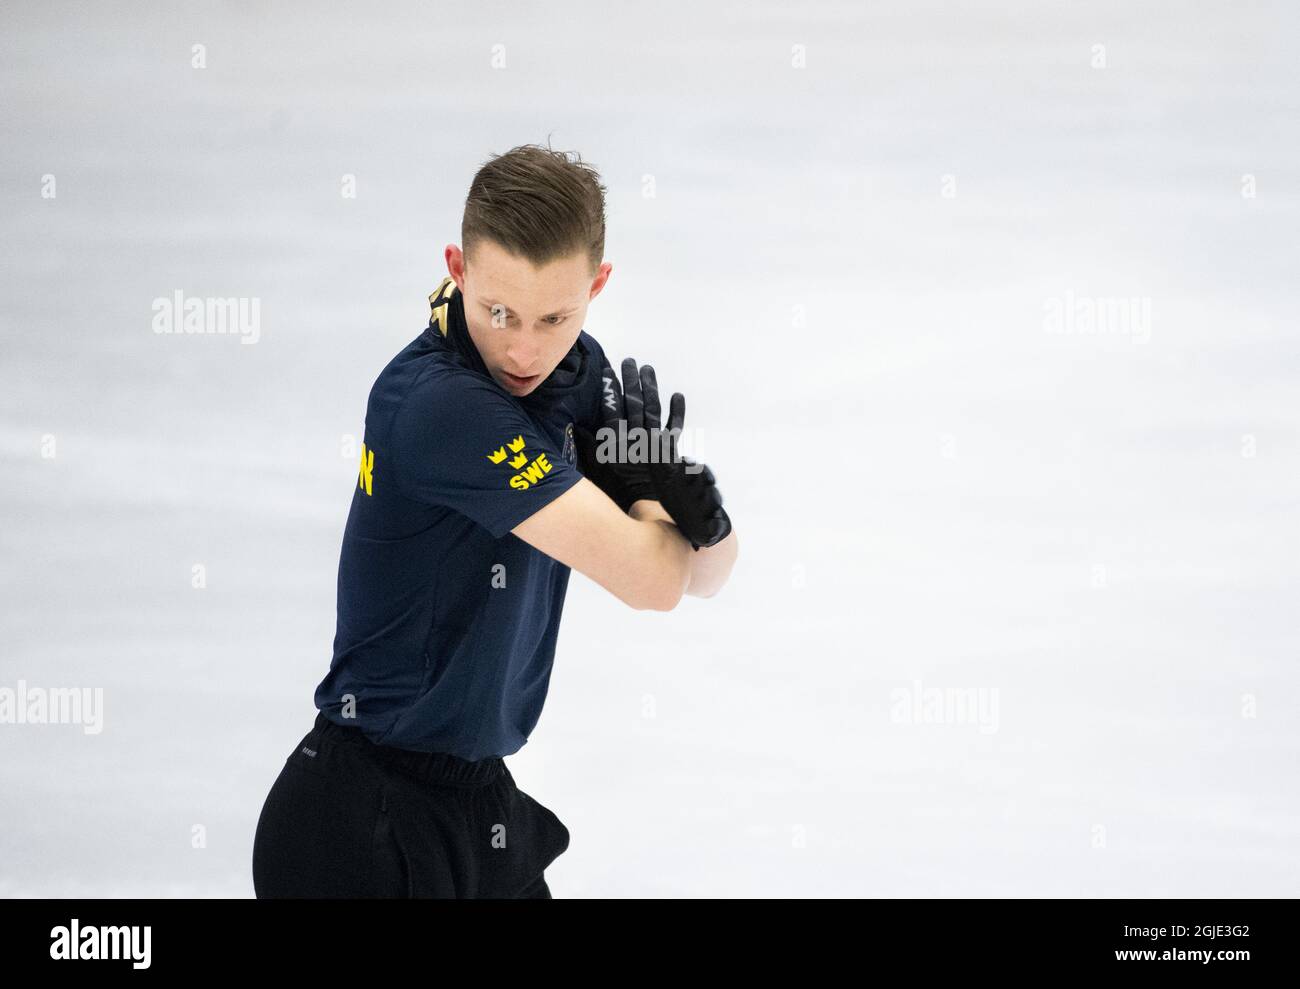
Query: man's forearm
x=706, y=569
x=669, y=551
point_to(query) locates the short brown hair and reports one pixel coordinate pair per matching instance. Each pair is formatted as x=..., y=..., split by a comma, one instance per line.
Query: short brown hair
x=536, y=203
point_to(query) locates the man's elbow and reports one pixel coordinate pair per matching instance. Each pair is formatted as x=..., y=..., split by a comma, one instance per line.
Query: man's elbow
x=666, y=601
x=656, y=592
x=663, y=598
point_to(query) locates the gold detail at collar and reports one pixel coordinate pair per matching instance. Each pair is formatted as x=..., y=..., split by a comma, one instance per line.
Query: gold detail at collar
x=439, y=299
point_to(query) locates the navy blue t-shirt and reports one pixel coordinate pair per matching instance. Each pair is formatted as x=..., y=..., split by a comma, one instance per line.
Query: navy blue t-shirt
x=447, y=622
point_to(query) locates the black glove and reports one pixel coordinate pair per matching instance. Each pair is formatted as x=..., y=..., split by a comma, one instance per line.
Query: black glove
x=687, y=490
x=623, y=481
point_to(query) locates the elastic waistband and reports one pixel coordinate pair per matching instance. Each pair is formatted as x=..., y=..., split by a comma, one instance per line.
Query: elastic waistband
x=432, y=767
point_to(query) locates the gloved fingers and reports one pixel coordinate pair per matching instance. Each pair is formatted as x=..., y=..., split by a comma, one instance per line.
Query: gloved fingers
x=694, y=500
x=710, y=499
x=632, y=403
x=676, y=412
x=650, y=397
x=711, y=531
x=718, y=529
x=697, y=472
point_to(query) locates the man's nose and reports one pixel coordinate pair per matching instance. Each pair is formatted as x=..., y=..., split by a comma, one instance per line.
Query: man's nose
x=522, y=356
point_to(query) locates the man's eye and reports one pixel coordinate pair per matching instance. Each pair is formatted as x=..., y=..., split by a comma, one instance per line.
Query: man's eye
x=556, y=320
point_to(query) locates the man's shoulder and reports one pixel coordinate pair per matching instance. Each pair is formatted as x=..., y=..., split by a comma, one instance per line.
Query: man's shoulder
x=424, y=398
x=423, y=372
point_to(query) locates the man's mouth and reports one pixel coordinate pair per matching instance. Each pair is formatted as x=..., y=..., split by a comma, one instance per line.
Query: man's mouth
x=516, y=380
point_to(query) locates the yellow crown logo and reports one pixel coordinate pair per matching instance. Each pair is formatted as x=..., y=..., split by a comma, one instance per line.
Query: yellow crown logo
x=529, y=473
x=516, y=445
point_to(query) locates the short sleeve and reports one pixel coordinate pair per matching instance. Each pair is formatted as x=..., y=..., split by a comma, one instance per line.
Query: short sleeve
x=460, y=442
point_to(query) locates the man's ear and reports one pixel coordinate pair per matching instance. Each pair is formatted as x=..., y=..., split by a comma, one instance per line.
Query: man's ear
x=598, y=283
x=455, y=260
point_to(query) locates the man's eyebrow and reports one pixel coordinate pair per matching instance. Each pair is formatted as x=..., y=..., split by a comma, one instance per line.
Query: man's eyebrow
x=559, y=312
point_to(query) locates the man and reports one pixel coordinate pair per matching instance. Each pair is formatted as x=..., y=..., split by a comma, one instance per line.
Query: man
x=500, y=452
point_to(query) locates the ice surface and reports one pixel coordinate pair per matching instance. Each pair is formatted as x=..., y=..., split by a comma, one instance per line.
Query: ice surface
x=928, y=484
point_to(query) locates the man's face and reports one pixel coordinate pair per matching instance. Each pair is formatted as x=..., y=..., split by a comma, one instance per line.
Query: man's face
x=522, y=319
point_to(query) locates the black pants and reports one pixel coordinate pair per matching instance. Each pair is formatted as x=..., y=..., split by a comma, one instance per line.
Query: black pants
x=349, y=818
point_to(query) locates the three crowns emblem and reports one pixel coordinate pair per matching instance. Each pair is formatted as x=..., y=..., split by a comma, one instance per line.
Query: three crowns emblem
x=516, y=446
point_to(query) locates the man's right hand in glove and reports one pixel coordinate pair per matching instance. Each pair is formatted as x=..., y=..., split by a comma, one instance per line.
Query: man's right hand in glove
x=626, y=482
x=687, y=490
